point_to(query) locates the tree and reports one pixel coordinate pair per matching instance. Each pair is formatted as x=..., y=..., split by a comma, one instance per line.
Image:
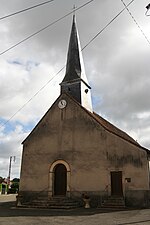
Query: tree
x=14, y=187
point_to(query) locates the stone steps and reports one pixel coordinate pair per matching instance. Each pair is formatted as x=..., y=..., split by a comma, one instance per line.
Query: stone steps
x=54, y=203
x=114, y=202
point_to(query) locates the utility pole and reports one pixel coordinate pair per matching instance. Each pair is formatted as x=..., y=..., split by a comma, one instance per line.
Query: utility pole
x=147, y=7
x=9, y=171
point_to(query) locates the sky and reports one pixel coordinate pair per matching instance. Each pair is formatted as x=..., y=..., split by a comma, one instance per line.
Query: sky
x=116, y=64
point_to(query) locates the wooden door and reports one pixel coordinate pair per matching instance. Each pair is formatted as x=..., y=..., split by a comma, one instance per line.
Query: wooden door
x=60, y=180
x=116, y=183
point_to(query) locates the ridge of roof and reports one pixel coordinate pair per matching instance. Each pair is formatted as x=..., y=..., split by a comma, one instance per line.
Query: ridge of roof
x=116, y=131
x=110, y=127
x=113, y=129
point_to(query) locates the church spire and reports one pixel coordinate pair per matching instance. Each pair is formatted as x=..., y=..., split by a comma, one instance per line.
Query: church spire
x=75, y=82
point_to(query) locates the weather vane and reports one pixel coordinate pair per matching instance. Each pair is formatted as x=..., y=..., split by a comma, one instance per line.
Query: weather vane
x=147, y=7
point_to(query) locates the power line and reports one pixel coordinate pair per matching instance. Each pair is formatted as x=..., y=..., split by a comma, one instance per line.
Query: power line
x=65, y=66
x=26, y=9
x=42, y=29
x=146, y=38
x=32, y=97
x=106, y=26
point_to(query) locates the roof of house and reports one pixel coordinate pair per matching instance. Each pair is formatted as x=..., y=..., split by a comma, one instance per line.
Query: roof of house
x=112, y=128
x=115, y=130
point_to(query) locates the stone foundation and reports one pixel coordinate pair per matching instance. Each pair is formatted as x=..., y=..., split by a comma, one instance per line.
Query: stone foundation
x=140, y=199
x=134, y=199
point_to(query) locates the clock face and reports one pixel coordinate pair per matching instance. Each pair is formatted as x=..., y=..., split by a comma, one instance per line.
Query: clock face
x=62, y=104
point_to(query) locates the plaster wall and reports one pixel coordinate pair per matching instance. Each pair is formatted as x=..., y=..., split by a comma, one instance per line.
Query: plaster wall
x=71, y=134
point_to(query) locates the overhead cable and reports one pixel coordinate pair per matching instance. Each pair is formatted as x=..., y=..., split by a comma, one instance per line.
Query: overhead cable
x=26, y=9
x=63, y=67
x=42, y=29
x=146, y=38
x=31, y=98
x=106, y=26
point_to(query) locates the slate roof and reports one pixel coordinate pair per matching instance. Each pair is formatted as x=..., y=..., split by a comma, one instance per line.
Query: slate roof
x=113, y=129
x=73, y=68
x=110, y=127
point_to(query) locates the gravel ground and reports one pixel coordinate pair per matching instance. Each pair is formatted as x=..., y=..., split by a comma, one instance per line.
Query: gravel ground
x=10, y=215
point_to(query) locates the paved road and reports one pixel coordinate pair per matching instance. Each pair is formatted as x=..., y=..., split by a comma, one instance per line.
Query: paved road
x=10, y=215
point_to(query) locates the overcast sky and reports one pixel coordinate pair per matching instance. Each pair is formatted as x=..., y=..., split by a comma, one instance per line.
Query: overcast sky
x=117, y=65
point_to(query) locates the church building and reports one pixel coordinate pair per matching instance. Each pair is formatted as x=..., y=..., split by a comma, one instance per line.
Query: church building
x=73, y=153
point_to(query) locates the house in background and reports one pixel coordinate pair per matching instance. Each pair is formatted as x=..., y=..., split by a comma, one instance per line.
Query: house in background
x=76, y=152
x=3, y=188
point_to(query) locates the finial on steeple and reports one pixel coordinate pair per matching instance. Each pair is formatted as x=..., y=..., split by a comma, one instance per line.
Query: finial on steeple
x=74, y=9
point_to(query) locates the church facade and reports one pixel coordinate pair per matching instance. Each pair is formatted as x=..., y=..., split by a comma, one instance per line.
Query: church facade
x=73, y=151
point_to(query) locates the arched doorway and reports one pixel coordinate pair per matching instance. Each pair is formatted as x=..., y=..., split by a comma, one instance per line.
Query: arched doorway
x=60, y=180
x=54, y=172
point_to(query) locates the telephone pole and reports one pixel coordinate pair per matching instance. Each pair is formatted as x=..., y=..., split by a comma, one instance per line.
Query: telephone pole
x=9, y=171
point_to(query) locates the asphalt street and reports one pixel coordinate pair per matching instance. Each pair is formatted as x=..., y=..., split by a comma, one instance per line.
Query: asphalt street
x=11, y=215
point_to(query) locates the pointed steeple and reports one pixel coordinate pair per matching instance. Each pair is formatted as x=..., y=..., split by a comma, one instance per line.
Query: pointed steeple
x=73, y=67
x=75, y=82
